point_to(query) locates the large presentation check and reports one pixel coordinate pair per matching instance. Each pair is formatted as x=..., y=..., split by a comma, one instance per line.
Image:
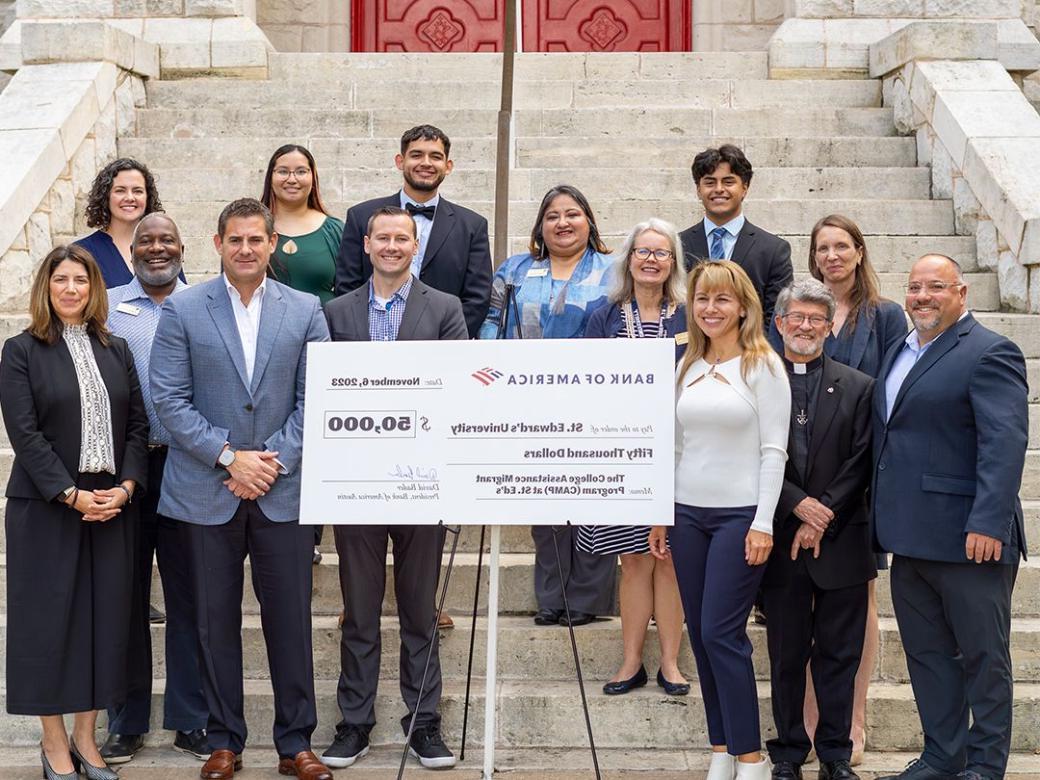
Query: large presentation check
x=490, y=432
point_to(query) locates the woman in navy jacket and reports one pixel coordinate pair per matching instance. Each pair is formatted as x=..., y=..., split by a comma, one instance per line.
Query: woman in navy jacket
x=646, y=302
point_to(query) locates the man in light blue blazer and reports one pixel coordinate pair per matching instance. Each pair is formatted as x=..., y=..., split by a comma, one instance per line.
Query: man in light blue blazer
x=227, y=378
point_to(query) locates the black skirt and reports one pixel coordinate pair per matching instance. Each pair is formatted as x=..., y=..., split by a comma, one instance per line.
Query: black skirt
x=69, y=586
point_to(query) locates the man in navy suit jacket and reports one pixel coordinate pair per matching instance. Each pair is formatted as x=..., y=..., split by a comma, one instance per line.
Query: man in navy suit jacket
x=950, y=435
x=454, y=255
x=722, y=177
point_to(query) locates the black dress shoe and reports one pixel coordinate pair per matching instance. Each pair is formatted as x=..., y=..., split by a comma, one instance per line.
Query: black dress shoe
x=547, y=617
x=836, y=770
x=970, y=774
x=672, y=689
x=194, y=743
x=577, y=619
x=120, y=748
x=787, y=770
x=638, y=680
x=919, y=770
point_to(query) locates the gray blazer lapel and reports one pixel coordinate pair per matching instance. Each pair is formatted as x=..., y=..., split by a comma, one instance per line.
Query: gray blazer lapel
x=360, y=308
x=413, y=312
x=272, y=312
x=224, y=320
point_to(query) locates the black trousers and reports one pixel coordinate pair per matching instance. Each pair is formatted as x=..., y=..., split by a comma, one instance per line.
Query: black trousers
x=184, y=702
x=825, y=628
x=280, y=558
x=588, y=578
x=362, y=575
x=955, y=623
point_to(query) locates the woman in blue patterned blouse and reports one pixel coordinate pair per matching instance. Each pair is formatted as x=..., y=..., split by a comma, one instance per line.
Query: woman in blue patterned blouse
x=558, y=284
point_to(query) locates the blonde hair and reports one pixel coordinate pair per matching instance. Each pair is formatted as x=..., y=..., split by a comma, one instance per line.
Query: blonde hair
x=44, y=323
x=715, y=275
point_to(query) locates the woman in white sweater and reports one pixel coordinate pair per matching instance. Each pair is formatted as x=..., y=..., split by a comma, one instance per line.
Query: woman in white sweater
x=732, y=410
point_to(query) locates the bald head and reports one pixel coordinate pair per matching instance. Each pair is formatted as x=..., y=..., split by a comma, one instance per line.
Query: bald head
x=936, y=295
x=158, y=253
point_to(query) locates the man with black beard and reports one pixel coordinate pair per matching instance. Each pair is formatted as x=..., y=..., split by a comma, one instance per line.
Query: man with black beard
x=133, y=314
x=454, y=255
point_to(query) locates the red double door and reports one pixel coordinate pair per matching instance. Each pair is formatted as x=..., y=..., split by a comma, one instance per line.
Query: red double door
x=548, y=25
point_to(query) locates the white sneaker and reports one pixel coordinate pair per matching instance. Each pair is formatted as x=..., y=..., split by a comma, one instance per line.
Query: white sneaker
x=723, y=767
x=763, y=770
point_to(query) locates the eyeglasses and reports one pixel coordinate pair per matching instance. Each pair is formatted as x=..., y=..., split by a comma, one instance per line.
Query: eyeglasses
x=659, y=254
x=285, y=173
x=933, y=288
x=797, y=319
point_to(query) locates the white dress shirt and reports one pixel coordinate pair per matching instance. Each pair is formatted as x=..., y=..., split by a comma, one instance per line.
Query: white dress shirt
x=423, y=226
x=247, y=319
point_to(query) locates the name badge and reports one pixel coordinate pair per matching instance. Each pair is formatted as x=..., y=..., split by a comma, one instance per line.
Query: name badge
x=129, y=308
x=682, y=338
x=538, y=272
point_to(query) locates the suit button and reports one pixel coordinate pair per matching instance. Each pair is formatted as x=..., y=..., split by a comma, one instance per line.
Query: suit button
x=881, y=466
x=249, y=407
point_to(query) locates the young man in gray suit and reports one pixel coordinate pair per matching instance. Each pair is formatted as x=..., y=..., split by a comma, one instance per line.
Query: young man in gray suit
x=227, y=378
x=391, y=306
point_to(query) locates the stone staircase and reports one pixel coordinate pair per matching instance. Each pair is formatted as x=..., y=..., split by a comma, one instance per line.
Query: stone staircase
x=624, y=129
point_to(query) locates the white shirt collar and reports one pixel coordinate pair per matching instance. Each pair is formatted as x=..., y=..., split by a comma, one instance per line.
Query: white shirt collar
x=436, y=199
x=233, y=292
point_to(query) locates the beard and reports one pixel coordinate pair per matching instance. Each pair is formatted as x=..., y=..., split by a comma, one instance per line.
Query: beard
x=925, y=322
x=424, y=186
x=157, y=277
x=803, y=348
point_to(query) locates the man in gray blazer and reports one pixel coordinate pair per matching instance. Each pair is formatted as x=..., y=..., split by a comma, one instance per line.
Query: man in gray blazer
x=391, y=306
x=227, y=379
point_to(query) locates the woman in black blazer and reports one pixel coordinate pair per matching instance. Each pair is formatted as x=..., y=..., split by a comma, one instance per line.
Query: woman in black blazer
x=647, y=302
x=72, y=406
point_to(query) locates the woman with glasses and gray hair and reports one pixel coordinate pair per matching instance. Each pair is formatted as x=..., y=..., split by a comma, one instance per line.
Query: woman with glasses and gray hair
x=645, y=302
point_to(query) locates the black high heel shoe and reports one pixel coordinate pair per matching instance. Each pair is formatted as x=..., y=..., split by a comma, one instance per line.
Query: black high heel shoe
x=50, y=774
x=638, y=680
x=92, y=772
x=672, y=689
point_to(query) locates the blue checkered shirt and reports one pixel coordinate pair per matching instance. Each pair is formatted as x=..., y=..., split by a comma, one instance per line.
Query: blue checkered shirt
x=139, y=331
x=385, y=321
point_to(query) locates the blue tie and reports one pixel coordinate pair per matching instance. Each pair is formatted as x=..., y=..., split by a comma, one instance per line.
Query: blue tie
x=717, y=252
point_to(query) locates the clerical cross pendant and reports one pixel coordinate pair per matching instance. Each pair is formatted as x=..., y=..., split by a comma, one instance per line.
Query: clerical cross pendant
x=802, y=418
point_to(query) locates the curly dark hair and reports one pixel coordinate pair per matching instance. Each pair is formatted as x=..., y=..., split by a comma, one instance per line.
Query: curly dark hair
x=98, y=214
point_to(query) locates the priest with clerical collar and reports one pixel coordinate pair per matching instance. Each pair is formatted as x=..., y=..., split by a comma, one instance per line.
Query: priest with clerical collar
x=815, y=587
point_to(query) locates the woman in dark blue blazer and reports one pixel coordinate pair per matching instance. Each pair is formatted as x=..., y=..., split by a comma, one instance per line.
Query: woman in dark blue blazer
x=646, y=302
x=865, y=327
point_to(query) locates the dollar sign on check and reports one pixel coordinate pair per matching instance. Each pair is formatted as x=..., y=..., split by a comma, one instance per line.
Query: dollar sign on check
x=425, y=423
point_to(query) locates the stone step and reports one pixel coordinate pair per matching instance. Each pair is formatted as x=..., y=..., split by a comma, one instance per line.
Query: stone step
x=786, y=217
x=527, y=651
x=161, y=762
x=336, y=68
x=466, y=93
x=386, y=122
x=549, y=714
x=339, y=183
x=516, y=596
x=535, y=152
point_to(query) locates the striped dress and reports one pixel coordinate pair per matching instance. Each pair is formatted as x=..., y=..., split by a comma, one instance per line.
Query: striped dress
x=619, y=539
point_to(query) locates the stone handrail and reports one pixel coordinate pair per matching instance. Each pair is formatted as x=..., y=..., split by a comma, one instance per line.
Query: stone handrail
x=981, y=137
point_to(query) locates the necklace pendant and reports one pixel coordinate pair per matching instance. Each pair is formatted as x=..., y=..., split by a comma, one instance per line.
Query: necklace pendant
x=801, y=418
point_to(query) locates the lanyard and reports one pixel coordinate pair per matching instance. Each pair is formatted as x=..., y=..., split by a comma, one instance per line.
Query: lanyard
x=634, y=325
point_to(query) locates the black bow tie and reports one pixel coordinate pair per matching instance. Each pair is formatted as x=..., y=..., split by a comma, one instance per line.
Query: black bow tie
x=420, y=211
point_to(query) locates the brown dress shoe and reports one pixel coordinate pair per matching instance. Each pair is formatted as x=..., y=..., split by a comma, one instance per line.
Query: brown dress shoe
x=221, y=765
x=305, y=765
x=444, y=621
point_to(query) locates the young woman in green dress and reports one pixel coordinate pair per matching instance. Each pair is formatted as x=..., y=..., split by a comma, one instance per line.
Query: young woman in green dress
x=308, y=237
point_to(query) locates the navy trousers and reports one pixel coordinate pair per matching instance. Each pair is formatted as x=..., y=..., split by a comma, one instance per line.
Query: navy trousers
x=718, y=588
x=955, y=623
x=184, y=705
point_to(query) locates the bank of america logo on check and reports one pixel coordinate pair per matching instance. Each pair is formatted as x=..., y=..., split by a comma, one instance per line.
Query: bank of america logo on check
x=487, y=375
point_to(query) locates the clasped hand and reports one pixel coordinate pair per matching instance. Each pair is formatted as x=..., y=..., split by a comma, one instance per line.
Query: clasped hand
x=99, y=506
x=252, y=473
x=813, y=513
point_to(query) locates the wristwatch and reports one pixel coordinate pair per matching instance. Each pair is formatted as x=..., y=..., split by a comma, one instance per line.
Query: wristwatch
x=226, y=457
x=66, y=494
